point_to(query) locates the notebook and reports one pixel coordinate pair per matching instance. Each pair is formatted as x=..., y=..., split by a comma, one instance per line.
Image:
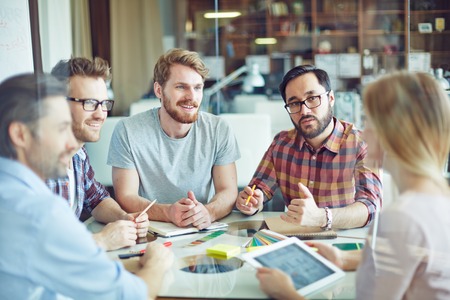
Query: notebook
x=167, y=229
x=302, y=232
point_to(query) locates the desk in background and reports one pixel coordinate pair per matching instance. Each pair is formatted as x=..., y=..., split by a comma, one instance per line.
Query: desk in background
x=240, y=283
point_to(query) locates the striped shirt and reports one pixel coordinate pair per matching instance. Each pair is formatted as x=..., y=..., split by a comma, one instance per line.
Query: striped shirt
x=88, y=191
x=335, y=173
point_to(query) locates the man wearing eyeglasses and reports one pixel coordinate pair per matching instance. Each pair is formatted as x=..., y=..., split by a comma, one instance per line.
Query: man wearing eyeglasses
x=319, y=165
x=89, y=106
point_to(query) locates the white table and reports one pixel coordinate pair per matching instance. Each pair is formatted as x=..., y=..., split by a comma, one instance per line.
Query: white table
x=237, y=284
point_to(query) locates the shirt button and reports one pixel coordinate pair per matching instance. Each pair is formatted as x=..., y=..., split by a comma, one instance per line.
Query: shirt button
x=313, y=157
x=311, y=183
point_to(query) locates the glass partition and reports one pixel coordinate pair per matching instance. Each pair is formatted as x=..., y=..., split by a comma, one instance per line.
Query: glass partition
x=353, y=40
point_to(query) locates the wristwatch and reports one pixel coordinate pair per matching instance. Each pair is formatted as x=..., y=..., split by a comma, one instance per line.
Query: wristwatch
x=329, y=216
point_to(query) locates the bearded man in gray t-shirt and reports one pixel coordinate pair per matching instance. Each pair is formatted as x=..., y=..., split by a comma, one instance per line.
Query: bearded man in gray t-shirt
x=176, y=154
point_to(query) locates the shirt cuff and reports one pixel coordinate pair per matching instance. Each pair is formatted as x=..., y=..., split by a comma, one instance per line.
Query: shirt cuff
x=371, y=209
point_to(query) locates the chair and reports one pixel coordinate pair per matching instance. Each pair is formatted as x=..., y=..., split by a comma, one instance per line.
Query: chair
x=253, y=135
x=280, y=119
x=98, y=152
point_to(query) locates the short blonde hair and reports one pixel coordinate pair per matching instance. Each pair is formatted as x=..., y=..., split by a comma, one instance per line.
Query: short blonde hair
x=179, y=56
x=82, y=66
x=410, y=113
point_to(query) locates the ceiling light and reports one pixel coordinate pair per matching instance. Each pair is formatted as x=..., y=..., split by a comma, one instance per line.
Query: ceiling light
x=222, y=15
x=265, y=41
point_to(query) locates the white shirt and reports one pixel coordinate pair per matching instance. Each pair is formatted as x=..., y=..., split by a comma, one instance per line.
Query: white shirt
x=412, y=254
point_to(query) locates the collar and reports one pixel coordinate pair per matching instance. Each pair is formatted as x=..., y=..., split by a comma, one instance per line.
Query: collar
x=82, y=153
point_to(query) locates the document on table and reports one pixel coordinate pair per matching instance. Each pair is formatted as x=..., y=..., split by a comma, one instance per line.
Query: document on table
x=167, y=229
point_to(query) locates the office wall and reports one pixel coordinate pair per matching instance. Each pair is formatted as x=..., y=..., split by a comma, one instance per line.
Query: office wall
x=16, y=53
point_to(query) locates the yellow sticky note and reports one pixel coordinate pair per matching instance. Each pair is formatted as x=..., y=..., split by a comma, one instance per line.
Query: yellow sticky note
x=223, y=250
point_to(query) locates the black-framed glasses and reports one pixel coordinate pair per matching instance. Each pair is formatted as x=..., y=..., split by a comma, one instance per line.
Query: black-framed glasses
x=92, y=104
x=310, y=102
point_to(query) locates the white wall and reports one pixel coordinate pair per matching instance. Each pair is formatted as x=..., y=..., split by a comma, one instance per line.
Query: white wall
x=55, y=30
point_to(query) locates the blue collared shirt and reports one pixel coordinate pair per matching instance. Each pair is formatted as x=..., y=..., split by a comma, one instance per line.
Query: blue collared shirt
x=45, y=252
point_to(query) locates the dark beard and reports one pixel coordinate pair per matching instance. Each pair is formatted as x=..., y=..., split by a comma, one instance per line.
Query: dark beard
x=322, y=125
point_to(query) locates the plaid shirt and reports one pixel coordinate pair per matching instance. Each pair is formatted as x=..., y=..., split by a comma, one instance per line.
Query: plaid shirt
x=88, y=191
x=335, y=174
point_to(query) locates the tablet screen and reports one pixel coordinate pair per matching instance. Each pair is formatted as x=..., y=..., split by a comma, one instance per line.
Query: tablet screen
x=309, y=271
x=299, y=264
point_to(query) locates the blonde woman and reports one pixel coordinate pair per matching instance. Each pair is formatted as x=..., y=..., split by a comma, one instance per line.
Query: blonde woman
x=409, y=128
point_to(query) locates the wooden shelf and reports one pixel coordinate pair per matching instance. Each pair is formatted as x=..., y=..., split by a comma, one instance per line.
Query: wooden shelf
x=382, y=32
x=432, y=52
x=294, y=35
x=337, y=33
x=330, y=15
x=429, y=12
x=384, y=12
x=417, y=33
x=396, y=53
x=292, y=16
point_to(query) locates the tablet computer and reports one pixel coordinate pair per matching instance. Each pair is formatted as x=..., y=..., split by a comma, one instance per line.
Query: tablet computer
x=309, y=271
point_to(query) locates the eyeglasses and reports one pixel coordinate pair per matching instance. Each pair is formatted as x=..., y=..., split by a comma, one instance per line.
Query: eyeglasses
x=310, y=102
x=92, y=104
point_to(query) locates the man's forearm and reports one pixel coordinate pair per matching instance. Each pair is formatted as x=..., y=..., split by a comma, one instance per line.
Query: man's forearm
x=133, y=203
x=352, y=216
x=108, y=210
x=160, y=212
x=221, y=205
x=136, y=203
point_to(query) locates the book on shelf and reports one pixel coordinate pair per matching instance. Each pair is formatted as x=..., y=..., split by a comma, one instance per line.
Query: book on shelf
x=302, y=232
x=167, y=229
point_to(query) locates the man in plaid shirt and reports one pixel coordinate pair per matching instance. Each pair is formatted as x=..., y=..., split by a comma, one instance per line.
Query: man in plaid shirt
x=89, y=105
x=320, y=165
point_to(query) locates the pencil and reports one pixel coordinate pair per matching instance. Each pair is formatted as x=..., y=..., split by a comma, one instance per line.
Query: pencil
x=145, y=210
x=249, y=196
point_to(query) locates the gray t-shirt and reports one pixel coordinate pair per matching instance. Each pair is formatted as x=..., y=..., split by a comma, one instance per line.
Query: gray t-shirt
x=168, y=168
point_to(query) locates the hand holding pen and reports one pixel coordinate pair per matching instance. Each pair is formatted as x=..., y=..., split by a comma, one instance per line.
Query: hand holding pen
x=249, y=200
x=250, y=196
x=141, y=221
